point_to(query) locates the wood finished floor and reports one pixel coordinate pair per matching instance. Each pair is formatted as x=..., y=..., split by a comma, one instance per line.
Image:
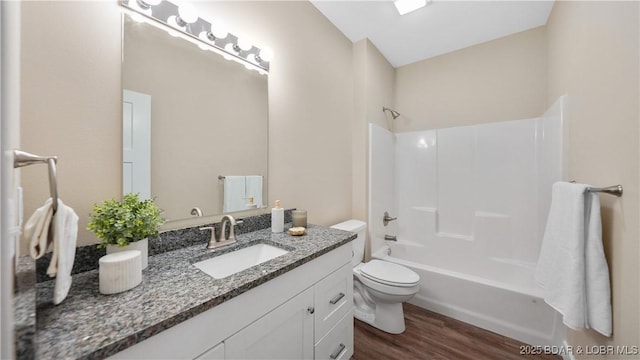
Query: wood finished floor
x=430, y=335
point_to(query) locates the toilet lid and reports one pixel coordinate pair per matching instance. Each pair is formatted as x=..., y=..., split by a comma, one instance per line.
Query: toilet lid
x=389, y=273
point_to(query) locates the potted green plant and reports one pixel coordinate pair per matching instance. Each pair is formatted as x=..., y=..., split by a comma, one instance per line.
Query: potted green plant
x=126, y=224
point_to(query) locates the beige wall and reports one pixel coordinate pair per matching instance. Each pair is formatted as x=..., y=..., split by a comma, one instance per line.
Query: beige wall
x=209, y=118
x=71, y=102
x=503, y=79
x=380, y=89
x=374, y=82
x=593, y=57
x=374, y=88
x=359, y=154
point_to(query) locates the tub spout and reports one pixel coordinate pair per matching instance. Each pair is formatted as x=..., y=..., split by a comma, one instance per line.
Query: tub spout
x=391, y=238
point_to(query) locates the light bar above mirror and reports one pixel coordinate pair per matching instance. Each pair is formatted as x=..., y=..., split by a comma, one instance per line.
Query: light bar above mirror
x=184, y=21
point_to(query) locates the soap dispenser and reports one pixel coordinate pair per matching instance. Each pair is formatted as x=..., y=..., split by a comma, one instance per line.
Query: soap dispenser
x=277, y=218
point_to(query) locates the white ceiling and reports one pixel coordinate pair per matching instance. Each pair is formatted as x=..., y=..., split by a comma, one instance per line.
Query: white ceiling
x=440, y=27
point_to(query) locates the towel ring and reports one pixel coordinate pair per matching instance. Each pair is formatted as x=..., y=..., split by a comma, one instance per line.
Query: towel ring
x=23, y=158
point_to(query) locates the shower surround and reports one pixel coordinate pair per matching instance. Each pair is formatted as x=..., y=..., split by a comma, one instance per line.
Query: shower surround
x=471, y=203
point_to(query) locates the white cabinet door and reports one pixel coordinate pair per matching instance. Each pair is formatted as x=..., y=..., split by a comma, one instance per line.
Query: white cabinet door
x=284, y=333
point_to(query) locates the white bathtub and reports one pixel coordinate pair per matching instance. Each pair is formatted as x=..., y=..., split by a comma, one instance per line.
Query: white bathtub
x=494, y=294
x=471, y=204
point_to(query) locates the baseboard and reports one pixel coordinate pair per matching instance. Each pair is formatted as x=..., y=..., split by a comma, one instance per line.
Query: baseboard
x=482, y=321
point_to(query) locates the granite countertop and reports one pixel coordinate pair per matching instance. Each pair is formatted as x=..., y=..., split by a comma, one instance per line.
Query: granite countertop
x=25, y=307
x=88, y=324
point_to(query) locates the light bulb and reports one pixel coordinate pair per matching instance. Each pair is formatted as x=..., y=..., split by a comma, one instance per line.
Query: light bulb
x=203, y=46
x=173, y=22
x=139, y=7
x=188, y=13
x=204, y=36
x=244, y=44
x=230, y=48
x=266, y=54
x=146, y=4
x=252, y=58
x=219, y=30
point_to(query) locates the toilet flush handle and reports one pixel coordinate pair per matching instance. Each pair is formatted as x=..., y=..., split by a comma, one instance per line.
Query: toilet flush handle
x=386, y=219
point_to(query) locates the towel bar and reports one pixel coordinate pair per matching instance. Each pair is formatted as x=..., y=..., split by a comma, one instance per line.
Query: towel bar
x=611, y=190
x=222, y=177
x=23, y=158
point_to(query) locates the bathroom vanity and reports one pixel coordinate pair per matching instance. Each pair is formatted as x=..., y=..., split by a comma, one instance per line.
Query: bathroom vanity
x=298, y=305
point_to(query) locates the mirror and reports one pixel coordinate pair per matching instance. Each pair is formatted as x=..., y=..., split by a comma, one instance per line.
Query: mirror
x=195, y=126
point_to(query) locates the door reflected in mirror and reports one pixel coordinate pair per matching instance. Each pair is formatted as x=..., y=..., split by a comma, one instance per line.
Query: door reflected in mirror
x=195, y=126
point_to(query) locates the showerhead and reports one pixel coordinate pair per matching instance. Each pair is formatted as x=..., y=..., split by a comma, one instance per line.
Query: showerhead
x=394, y=114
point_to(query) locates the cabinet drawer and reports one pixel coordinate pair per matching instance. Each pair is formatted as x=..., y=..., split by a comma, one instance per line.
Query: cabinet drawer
x=338, y=343
x=333, y=298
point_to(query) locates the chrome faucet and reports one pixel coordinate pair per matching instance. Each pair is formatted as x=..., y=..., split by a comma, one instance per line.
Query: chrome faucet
x=232, y=224
x=222, y=239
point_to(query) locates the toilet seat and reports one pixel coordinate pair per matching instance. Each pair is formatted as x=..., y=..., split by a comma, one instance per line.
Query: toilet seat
x=387, y=273
x=393, y=291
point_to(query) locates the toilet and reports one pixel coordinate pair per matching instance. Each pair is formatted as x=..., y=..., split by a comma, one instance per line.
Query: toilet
x=379, y=287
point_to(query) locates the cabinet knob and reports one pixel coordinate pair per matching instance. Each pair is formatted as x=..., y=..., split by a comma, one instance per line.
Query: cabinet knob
x=311, y=310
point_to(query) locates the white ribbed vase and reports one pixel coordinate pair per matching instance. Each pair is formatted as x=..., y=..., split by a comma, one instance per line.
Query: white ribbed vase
x=142, y=245
x=120, y=271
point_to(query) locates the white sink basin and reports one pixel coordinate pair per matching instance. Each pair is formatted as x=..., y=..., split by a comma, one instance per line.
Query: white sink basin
x=230, y=263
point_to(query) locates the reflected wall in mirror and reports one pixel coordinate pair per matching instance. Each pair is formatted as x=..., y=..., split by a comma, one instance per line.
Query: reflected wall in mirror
x=208, y=118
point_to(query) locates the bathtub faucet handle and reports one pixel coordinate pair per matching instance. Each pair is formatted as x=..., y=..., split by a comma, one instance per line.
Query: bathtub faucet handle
x=386, y=219
x=391, y=238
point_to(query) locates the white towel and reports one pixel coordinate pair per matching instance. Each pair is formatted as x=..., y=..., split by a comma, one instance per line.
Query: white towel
x=572, y=268
x=63, y=234
x=254, y=189
x=234, y=194
x=36, y=230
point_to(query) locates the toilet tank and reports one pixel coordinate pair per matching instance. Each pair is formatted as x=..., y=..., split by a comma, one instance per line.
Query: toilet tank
x=358, y=227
